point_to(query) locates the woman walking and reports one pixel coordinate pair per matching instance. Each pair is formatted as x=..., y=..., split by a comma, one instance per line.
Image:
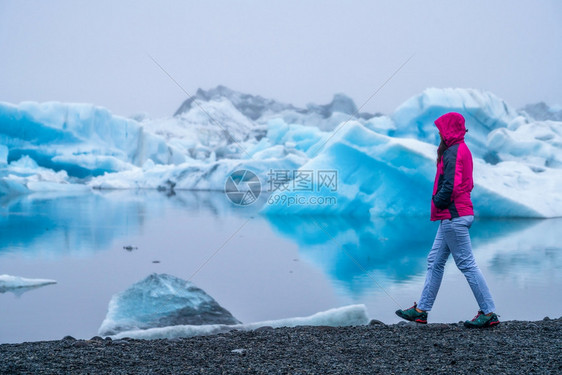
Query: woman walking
x=451, y=205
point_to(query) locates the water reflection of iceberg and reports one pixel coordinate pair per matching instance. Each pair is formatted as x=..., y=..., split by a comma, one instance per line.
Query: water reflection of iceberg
x=82, y=223
x=356, y=252
x=67, y=224
x=390, y=249
x=531, y=253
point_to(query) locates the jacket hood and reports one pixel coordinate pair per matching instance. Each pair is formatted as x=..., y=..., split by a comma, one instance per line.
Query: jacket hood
x=451, y=126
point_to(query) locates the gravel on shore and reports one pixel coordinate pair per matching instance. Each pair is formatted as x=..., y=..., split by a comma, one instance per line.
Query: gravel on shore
x=513, y=347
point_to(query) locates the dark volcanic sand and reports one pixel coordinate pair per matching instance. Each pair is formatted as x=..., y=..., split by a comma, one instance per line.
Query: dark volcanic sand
x=514, y=347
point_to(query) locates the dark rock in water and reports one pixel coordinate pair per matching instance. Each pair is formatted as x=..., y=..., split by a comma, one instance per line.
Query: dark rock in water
x=168, y=188
x=162, y=300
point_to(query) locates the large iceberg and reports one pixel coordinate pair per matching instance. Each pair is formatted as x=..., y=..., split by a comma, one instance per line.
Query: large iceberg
x=58, y=144
x=384, y=164
x=378, y=175
x=260, y=110
x=496, y=131
x=84, y=140
x=162, y=300
x=483, y=111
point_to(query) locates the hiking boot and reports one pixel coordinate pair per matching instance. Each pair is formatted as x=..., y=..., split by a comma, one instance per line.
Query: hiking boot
x=412, y=315
x=482, y=320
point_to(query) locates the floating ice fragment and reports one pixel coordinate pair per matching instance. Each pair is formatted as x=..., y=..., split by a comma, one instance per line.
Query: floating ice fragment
x=12, y=283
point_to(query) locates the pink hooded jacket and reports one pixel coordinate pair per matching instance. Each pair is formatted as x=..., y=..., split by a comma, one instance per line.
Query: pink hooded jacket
x=453, y=181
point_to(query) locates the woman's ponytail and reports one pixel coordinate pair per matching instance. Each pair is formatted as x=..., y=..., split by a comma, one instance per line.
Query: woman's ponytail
x=441, y=149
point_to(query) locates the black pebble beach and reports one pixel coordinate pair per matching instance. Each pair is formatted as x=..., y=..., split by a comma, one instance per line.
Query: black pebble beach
x=514, y=347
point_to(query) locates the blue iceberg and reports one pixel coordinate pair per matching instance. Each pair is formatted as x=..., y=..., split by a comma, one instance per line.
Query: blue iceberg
x=80, y=140
x=380, y=176
x=162, y=300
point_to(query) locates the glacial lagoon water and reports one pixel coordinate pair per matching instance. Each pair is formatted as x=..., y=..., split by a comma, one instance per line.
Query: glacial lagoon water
x=259, y=268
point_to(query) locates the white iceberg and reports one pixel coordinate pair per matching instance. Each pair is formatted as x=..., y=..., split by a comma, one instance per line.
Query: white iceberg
x=260, y=110
x=483, y=111
x=537, y=144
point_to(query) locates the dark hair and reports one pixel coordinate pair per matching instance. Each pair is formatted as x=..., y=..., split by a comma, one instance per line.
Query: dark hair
x=441, y=149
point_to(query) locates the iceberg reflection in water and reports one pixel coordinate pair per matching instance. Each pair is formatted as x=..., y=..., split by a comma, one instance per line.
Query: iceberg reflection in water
x=44, y=223
x=357, y=253
x=391, y=249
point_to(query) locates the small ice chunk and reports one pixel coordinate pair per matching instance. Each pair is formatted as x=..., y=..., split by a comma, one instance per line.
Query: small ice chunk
x=162, y=300
x=11, y=283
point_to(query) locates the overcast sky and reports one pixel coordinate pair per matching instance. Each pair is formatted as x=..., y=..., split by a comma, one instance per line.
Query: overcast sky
x=292, y=51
